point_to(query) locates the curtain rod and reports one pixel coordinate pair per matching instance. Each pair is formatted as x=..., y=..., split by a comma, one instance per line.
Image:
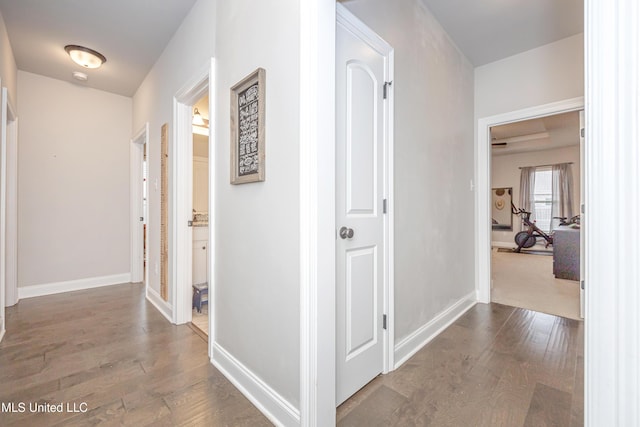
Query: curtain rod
x=543, y=166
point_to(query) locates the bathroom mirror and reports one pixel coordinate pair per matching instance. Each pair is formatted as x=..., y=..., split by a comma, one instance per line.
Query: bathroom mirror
x=501, y=217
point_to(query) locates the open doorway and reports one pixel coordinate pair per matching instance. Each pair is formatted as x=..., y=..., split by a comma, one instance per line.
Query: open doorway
x=139, y=194
x=535, y=214
x=200, y=221
x=183, y=252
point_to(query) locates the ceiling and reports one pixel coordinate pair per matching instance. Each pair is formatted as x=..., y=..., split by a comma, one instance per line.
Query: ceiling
x=545, y=133
x=133, y=33
x=489, y=30
x=130, y=33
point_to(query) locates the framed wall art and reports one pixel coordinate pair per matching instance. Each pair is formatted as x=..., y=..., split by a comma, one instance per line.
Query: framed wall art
x=501, y=217
x=247, y=129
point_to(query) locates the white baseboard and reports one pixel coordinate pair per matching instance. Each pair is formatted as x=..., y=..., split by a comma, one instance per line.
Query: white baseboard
x=161, y=305
x=2, y=332
x=419, y=338
x=275, y=407
x=72, y=285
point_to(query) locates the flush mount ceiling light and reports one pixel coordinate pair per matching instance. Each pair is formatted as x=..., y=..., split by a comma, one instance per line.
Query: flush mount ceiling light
x=84, y=56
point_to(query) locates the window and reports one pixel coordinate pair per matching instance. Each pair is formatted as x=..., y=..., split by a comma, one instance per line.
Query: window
x=542, y=198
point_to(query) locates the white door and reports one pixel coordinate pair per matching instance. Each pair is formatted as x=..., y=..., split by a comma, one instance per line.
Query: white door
x=360, y=133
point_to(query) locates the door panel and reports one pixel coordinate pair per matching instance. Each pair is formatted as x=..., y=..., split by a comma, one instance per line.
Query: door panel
x=361, y=294
x=360, y=126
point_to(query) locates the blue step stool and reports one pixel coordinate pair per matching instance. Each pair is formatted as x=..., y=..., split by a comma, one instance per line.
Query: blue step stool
x=200, y=296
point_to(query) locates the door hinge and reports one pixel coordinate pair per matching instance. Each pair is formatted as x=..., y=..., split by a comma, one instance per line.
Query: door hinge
x=582, y=132
x=385, y=89
x=582, y=284
x=189, y=223
x=384, y=206
x=582, y=208
x=141, y=219
x=384, y=321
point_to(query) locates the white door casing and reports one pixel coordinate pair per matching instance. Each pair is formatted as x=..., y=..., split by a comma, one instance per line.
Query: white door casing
x=181, y=202
x=139, y=144
x=581, y=213
x=3, y=206
x=362, y=126
x=11, y=219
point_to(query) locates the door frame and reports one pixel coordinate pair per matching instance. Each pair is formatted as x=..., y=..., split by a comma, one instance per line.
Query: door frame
x=8, y=207
x=181, y=194
x=3, y=207
x=317, y=213
x=483, y=182
x=138, y=150
x=354, y=25
x=11, y=218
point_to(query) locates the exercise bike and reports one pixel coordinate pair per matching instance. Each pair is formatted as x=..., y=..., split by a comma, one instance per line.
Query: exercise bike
x=528, y=238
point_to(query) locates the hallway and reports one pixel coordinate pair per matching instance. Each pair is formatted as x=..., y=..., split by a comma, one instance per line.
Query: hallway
x=110, y=348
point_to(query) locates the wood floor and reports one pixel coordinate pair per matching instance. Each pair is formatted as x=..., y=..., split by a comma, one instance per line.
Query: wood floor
x=109, y=348
x=496, y=366
x=201, y=320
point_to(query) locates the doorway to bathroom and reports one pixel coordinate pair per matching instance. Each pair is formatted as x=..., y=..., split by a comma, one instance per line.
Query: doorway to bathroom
x=191, y=207
x=200, y=219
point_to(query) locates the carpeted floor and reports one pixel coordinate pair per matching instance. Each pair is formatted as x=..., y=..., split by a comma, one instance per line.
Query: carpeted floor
x=527, y=281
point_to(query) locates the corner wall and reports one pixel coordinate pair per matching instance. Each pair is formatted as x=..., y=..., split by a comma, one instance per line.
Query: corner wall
x=256, y=266
x=433, y=92
x=257, y=227
x=73, y=186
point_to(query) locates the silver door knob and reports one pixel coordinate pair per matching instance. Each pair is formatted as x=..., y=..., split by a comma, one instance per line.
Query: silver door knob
x=345, y=233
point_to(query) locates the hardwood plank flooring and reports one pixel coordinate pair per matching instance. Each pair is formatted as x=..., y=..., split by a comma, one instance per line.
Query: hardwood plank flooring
x=108, y=347
x=111, y=349
x=495, y=366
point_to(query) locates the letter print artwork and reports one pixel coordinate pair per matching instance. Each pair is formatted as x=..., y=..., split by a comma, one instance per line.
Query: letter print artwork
x=247, y=129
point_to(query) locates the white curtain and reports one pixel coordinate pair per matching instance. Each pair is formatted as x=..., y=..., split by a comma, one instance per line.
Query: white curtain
x=527, y=187
x=562, y=192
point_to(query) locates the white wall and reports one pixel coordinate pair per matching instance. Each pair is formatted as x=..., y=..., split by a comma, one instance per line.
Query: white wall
x=73, y=182
x=549, y=73
x=8, y=69
x=505, y=172
x=434, y=259
x=257, y=273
